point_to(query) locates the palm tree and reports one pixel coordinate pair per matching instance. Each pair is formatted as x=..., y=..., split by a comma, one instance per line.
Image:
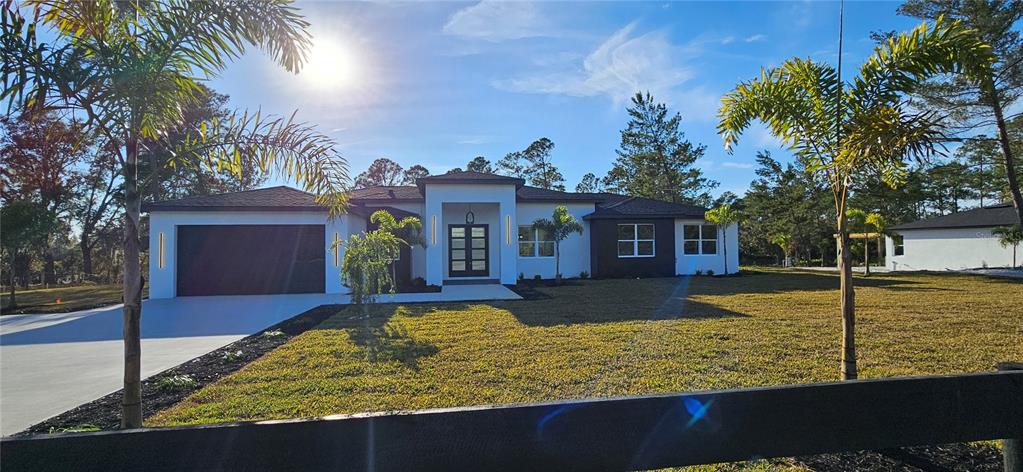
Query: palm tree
x=1010, y=236
x=723, y=216
x=129, y=68
x=844, y=129
x=879, y=224
x=559, y=227
x=409, y=230
x=785, y=242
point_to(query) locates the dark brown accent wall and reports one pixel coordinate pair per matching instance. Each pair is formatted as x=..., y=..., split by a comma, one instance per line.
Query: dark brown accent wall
x=604, y=260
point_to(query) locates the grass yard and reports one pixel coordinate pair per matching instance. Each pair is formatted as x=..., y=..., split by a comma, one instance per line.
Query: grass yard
x=44, y=300
x=598, y=338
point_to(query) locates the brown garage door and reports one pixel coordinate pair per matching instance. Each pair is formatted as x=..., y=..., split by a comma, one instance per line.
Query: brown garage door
x=250, y=259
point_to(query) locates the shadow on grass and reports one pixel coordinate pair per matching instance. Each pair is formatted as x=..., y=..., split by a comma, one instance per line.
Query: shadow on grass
x=381, y=339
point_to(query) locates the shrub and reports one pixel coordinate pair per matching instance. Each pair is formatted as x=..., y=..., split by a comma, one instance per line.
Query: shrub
x=232, y=357
x=584, y=275
x=699, y=272
x=175, y=383
x=710, y=272
x=419, y=282
x=522, y=276
x=537, y=277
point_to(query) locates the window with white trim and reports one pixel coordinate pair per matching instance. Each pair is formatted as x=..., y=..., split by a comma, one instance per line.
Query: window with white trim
x=699, y=239
x=636, y=240
x=535, y=243
x=899, y=245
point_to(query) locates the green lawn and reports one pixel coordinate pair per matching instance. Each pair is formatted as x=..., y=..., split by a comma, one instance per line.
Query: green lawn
x=617, y=337
x=45, y=300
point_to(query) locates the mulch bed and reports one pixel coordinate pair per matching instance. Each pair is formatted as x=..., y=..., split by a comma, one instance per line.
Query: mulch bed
x=940, y=458
x=105, y=413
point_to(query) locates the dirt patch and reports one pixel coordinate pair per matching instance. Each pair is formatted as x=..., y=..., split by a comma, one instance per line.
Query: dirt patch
x=169, y=387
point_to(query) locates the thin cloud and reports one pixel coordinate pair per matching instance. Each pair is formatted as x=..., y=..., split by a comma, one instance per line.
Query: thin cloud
x=622, y=65
x=737, y=165
x=497, y=21
x=755, y=38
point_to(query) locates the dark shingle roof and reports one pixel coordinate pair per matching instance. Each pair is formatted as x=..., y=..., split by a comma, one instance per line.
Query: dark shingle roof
x=995, y=215
x=387, y=194
x=470, y=177
x=367, y=211
x=618, y=206
x=537, y=194
x=273, y=198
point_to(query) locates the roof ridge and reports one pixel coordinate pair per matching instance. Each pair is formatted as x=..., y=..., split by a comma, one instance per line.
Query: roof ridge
x=621, y=202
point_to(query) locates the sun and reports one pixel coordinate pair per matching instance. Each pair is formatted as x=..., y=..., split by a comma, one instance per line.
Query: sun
x=332, y=65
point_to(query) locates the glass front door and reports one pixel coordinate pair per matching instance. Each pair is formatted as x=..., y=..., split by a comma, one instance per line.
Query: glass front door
x=467, y=251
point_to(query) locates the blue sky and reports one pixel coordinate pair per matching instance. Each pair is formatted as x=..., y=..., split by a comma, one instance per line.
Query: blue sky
x=439, y=83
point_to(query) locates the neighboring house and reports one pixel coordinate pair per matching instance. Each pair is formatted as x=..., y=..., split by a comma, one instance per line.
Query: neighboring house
x=477, y=228
x=960, y=240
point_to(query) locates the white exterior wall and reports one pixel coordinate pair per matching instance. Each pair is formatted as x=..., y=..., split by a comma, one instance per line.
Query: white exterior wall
x=575, y=249
x=948, y=249
x=688, y=264
x=163, y=280
x=502, y=255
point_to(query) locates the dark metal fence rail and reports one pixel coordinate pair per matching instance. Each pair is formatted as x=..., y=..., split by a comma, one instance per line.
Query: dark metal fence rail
x=614, y=434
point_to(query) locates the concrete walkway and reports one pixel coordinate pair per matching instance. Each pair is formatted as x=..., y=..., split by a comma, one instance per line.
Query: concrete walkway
x=51, y=363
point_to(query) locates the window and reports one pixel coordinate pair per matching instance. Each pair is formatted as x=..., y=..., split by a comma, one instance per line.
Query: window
x=900, y=248
x=699, y=239
x=534, y=243
x=636, y=240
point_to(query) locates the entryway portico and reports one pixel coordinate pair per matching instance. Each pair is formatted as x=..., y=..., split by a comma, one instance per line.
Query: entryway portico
x=469, y=225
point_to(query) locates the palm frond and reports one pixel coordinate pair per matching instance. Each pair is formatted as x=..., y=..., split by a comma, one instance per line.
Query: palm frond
x=289, y=148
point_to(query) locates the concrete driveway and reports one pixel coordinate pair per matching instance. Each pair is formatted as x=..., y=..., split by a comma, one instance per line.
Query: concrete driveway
x=52, y=363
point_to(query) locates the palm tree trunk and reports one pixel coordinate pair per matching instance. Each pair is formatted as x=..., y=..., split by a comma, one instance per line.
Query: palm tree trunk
x=866, y=256
x=724, y=241
x=131, y=401
x=1006, y=144
x=848, y=300
x=557, y=263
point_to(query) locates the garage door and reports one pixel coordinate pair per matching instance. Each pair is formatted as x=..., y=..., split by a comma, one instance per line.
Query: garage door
x=250, y=259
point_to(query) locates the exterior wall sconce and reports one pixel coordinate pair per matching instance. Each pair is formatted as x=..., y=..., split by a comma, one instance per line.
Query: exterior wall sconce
x=507, y=229
x=433, y=229
x=161, y=262
x=337, y=250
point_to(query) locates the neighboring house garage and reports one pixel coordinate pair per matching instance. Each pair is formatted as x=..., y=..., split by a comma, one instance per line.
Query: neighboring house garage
x=234, y=259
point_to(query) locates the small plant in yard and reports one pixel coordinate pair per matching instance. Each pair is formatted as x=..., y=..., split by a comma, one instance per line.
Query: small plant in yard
x=272, y=333
x=1010, y=236
x=537, y=277
x=522, y=276
x=85, y=428
x=560, y=226
x=175, y=383
x=231, y=357
x=584, y=275
x=367, y=265
x=710, y=272
x=699, y=272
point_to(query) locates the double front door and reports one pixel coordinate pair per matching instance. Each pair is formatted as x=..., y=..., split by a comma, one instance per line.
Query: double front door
x=468, y=255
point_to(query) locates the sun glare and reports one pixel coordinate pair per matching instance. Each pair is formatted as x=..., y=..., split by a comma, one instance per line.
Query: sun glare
x=331, y=65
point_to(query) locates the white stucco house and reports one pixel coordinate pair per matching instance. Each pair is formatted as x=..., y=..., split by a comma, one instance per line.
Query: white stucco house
x=957, y=241
x=477, y=229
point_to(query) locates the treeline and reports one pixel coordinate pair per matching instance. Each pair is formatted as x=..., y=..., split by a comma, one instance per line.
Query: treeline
x=63, y=198
x=654, y=160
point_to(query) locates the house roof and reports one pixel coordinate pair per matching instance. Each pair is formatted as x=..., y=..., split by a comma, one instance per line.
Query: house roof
x=618, y=207
x=263, y=199
x=367, y=211
x=366, y=200
x=995, y=215
x=470, y=177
